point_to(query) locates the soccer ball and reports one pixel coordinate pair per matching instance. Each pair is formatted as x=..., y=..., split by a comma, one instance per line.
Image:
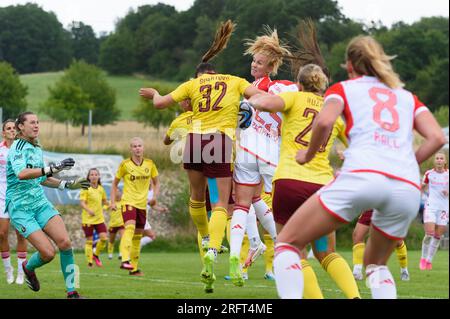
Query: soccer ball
x=245, y=115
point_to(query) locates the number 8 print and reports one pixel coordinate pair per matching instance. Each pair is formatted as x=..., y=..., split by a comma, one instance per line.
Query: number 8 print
x=381, y=105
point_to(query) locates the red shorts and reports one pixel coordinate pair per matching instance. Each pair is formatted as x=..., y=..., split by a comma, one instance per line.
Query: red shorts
x=209, y=153
x=89, y=229
x=114, y=230
x=365, y=218
x=132, y=213
x=288, y=195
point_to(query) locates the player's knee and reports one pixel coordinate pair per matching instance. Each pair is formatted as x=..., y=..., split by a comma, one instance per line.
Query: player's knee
x=47, y=254
x=3, y=235
x=64, y=244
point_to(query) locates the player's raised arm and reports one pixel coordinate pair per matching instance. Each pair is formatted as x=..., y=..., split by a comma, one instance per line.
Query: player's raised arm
x=267, y=102
x=160, y=102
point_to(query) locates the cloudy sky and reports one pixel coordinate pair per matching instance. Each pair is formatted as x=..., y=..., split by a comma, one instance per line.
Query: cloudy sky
x=102, y=14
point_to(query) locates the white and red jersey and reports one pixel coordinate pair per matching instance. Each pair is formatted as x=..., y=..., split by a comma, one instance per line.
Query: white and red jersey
x=379, y=128
x=262, y=138
x=3, y=157
x=437, y=188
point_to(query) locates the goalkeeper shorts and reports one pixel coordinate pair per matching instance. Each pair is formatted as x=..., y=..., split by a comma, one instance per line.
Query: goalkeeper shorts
x=30, y=219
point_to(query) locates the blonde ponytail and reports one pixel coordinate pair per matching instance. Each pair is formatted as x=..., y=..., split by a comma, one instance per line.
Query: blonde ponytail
x=368, y=58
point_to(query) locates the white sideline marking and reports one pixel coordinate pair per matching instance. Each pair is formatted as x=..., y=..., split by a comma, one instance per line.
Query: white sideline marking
x=226, y=284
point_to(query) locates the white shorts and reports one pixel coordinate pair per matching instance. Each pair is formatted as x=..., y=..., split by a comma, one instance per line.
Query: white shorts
x=395, y=203
x=147, y=225
x=3, y=214
x=249, y=170
x=435, y=216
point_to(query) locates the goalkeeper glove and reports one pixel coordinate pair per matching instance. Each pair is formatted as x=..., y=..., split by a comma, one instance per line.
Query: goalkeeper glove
x=78, y=183
x=54, y=168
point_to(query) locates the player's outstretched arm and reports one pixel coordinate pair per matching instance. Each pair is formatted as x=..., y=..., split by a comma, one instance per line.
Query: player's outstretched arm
x=53, y=168
x=160, y=102
x=77, y=183
x=267, y=103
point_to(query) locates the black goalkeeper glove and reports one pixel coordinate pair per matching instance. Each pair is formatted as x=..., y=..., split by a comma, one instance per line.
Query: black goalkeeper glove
x=78, y=183
x=54, y=168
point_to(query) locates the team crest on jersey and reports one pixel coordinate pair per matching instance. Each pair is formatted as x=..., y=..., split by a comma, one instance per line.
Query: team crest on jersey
x=146, y=170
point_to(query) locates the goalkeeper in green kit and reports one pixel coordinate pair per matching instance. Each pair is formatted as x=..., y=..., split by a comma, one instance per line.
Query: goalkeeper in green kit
x=30, y=211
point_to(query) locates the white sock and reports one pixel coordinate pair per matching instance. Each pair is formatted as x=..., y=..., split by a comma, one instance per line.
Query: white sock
x=265, y=217
x=357, y=268
x=19, y=264
x=426, y=245
x=381, y=282
x=238, y=226
x=145, y=240
x=6, y=261
x=434, y=246
x=288, y=272
x=252, y=229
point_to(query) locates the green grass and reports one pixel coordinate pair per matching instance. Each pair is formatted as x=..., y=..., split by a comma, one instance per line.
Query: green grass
x=176, y=276
x=127, y=88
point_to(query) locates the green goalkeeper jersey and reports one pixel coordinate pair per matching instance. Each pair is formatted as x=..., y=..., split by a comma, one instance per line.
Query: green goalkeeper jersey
x=24, y=193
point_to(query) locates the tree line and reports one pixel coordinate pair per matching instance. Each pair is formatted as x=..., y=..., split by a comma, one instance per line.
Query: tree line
x=163, y=43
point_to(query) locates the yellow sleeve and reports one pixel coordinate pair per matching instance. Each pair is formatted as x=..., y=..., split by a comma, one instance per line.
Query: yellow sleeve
x=84, y=195
x=182, y=92
x=154, y=171
x=243, y=84
x=288, y=99
x=121, y=171
x=341, y=129
x=172, y=128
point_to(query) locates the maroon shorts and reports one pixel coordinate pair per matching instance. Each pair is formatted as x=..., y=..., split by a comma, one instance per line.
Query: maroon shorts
x=89, y=229
x=132, y=213
x=365, y=218
x=114, y=230
x=209, y=153
x=288, y=195
x=208, y=200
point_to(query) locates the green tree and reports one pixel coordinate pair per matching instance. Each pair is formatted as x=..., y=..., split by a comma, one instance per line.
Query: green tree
x=146, y=113
x=117, y=53
x=441, y=115
x=12, y=92
x=85, y=45
x=33, y=40
x=83, y=87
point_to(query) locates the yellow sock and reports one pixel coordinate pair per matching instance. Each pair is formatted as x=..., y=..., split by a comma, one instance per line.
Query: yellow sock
x=311, y=288
x=135, y=251
x=229, y=229
x=217, y=225
x=126, y=242
x=199, y=216
x=110, y=248
x=340, y=272
x=402, y=255
x=200, y=248
x=88, y=251
x=270, y=251
x=100, y=246
x=358, y=253
x=244, y=249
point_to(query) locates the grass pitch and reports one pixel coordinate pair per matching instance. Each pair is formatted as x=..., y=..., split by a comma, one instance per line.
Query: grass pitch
x=177, y=276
